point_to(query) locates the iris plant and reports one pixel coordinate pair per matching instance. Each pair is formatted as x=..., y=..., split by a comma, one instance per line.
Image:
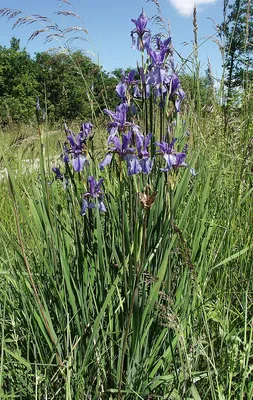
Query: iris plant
x=141, y=37
x=176, y=93
x=58, y=174
x=76, y=148
x=119, y=123
x=173, y=158
x=137, y=159
x=161, y=44
x=158, y=72
x=157, y=76
x=122, y=149
x=127, y=81
x=142, y=161
x=94, y=197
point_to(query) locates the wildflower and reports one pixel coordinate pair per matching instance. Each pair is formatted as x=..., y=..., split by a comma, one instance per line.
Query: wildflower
x=157, y=57
x=119, y=120
x=173, y=159
x=127, y=81
x=137, y=165
x=85, y=131
x=58, y=174
x=157, y=74
x=142, y=161
x=77, y=150
x=137, y=92
x=94, y=193
x=143, y=39
x=176, y=93
x=129, y=78
x=121, y=90
x=76, y=146
x=157, y=70
x=161, y=44
x=122, y=149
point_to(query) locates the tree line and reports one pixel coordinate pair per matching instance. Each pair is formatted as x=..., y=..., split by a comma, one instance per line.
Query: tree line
x=69, y=86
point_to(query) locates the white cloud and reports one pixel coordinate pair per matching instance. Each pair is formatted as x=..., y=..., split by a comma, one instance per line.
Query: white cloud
x=185, y=7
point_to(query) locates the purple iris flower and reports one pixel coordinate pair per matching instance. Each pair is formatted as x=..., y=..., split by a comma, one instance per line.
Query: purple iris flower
x=180, y=96
x=138, y=136
x=119, y=121
x=142, y=146
x=173, y=159
x=95, y=193
x=140, y=162
x=122, y=149
x=65, y=154
x=161, y=44
x=157, y=57
x=176, y=93
x=144, y=80
x=137, y=92
x=58, y=174
x=85, y=130
x=157, y=74
x=141, y=37
x=127, y=81
x=77, y=150
x=129, y=78
x=146, y=165
x=133, y=165
x=121, y=90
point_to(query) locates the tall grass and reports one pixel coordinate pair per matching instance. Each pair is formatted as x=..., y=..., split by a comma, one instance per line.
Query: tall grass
x=152, y=299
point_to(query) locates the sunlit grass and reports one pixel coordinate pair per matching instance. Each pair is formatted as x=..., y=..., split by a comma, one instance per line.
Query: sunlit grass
x=191, y=324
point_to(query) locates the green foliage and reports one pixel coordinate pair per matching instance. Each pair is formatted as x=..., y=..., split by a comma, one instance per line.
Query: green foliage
x=70, y=86
x=238, y=31
x=205, y=96
x=18, y=84
x=69, y=83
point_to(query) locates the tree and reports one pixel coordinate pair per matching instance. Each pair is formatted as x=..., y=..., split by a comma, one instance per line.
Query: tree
x=73, y=86
x=70, y=86
x=15, y=44
x=18, y=85
x=238, y=31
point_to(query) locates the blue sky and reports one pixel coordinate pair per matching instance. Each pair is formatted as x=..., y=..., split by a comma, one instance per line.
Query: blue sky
x=109, y=25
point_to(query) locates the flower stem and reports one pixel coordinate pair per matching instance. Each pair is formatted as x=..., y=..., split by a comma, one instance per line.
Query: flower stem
x=123, y=228
x=139, y=269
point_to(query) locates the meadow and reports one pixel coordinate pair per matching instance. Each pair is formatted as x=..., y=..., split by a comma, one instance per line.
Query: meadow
x=126, y=271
